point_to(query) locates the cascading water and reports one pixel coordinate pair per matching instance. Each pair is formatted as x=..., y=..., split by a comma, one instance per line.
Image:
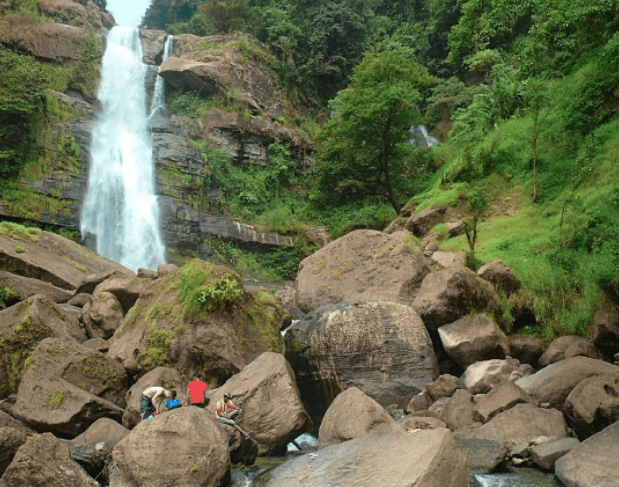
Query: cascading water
x=121, y=207
x=158, y=102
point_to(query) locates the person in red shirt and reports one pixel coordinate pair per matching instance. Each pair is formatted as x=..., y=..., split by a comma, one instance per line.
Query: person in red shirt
x=196, y=391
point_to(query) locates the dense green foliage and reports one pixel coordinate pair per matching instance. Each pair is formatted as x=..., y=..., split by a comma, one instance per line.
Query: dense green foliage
x=365, y=149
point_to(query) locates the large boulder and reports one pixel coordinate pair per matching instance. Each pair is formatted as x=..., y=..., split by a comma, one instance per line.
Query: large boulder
x=67, y=387
x=498, y=273
x=502, y=397
x=161, y=377
x=103, y=430
x=102, y=316
x=522, y=423
x=554, y=383
x=126, y=289
x=527, y=349
x=353, y=414
x=22, y=327
x=546, y=454
x=480, y=377
x=567, y=347
x=50, y=257
x=420, y=223
x=364, y=265
x=451, y=293
x=444, y=386
x=182, y=447
x=473, y=338
x=593, y=463
x=429, y=457
x=483, y=455
x=459, y=410
x=593, y=404
x=44, y=461
x=24, y=287
x=198, y=319
x=266, y=391
x=381, y=348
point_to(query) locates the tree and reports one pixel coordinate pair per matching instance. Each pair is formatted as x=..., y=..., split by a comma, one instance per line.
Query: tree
x=365, y=147
x=477, y=202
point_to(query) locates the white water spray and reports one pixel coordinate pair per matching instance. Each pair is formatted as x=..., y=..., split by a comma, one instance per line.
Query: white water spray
x=121, y=206
x=158, y=102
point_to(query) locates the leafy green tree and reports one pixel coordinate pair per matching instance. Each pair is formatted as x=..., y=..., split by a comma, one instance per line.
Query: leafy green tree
x=226, y=15
x=477, y=202
x=364, y=149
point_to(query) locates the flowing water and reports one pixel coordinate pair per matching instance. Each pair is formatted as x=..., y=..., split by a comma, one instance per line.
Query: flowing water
x=158, y=102
x=121, y=208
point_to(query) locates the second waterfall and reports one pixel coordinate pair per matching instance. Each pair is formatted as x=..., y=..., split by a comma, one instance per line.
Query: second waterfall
x=121, y=207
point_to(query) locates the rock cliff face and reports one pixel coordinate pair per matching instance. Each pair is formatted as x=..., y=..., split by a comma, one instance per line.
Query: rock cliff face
x=51, y=190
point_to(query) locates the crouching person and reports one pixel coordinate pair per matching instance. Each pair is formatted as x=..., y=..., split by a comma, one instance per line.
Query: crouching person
x=226, y=411
x=153, y=400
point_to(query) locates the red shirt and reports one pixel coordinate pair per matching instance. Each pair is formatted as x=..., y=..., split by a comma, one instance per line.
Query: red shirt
x=196, y=389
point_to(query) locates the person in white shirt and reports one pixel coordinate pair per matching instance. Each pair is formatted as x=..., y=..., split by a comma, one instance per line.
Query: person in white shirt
x=153, y=399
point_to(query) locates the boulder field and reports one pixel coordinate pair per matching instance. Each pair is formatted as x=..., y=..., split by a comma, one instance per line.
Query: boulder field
x=368, y=378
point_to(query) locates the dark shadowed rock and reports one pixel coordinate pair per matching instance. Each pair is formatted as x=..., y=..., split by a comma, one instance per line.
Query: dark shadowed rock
x=10, y=441
x=554, y=383
x=79, y=300
x=522, y=423
x=593, y=404
x=498, y=273
x=161, y=377
x=419, y=402
x=67, y=387
x=266, y=392
x=527, y=349
x=353, y=414
x=449, y=294
x=555, y=351
x=103, y=430
x=593, y=463
x=126, y=289
x=428, y=458
x=381, y=348
x=584, y=348
x=473, y=338
x=181, y=447
x=243, y=450
x=606, y=327
x=459, y=410
x=24, y=287
x=22, y=327
x=482, y=376
x=444, y=386
x=364, y=265
x=546, y=454
x=501, y=397
x=44, y=461
x=420, y=223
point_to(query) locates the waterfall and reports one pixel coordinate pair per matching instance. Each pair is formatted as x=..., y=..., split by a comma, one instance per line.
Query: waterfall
x=121, y=207
x=420, y=137
x=158, y=102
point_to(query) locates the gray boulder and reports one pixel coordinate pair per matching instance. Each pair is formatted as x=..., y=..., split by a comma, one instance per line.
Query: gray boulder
x=184, y=446
x=473, y=338
x=503, y=396
x=498, y=273
x=593, y=463
x=449, y=294
x=480, y=377
x=44, y=461
x=429, y=457
x=382, y=348
x=353, y=414
x=554, y=383
x=545, y=455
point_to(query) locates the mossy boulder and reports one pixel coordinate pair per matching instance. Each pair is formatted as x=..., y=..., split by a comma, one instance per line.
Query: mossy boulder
x=198, y=318
x=67, y=387
x=22, y=327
